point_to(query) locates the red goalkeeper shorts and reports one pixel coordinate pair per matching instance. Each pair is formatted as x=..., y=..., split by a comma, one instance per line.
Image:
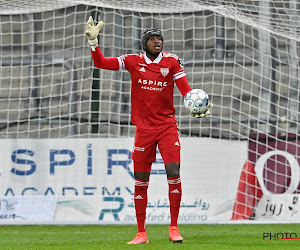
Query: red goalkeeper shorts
x=146, y=141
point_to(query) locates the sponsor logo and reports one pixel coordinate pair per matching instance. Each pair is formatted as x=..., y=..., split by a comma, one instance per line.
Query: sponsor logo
x=142, y=69
x=153, y=83
x=175, y=191
x=180, y=63
x=151, y=88
x=164, y=71
x=138, y=197
x=177, y=143
x=138, y=149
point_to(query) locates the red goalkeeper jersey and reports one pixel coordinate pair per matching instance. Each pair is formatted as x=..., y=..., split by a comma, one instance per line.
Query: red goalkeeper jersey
x=152, y=85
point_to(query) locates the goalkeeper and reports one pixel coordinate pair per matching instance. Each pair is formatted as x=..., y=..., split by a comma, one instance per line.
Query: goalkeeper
x=153, y=74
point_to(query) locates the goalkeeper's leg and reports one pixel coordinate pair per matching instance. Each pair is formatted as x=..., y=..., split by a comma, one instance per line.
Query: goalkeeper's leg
x=169, y=147
x=174, y=183
x=141, y=199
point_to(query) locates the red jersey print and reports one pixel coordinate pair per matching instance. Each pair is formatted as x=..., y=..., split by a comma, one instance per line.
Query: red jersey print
x=152, y=88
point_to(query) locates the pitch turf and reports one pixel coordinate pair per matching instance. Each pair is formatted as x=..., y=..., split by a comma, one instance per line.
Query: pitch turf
x=206, y=236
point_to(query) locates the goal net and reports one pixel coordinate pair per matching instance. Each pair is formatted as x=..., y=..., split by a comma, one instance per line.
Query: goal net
x=244, y=54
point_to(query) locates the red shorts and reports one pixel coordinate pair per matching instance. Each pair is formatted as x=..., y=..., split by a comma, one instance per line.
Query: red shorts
x=146, y=141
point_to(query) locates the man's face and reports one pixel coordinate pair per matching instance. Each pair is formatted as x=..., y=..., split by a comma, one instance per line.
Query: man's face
x=155, y=45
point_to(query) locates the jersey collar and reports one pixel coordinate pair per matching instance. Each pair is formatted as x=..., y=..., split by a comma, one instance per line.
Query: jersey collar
x=157, y=59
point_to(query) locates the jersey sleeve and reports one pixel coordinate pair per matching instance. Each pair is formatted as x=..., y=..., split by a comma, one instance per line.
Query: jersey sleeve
x=102, y=62
x=111, y=63
x=125, y=61
x=183, y=85
x=179, y=76
x=178, y=69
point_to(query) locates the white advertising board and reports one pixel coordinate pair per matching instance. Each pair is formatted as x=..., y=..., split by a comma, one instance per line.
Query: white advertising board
x=27, y=208
x=93, y=178
x=282, y=207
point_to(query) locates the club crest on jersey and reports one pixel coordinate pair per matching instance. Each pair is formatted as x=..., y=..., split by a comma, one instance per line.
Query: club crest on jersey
x=164, y=71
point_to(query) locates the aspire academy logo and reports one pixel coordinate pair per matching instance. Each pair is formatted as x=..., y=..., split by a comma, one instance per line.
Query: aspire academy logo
x=280, y=236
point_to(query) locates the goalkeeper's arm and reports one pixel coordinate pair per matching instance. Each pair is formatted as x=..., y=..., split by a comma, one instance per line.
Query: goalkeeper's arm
x=100, y=61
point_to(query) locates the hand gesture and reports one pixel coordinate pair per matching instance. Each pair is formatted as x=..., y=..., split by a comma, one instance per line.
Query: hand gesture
x=91, y=30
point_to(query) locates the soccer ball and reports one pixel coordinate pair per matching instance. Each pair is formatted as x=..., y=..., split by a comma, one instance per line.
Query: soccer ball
x=197, y=102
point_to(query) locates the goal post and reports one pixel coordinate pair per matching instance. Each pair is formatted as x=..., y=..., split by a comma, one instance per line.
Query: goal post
x=244, y=54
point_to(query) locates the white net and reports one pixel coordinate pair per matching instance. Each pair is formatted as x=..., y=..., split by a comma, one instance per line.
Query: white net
x=244, y=54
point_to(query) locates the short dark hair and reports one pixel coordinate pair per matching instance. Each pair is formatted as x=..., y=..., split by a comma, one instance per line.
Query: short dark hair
x=149, y=33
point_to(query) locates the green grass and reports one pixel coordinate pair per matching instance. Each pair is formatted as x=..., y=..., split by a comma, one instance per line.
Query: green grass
x=206, y=236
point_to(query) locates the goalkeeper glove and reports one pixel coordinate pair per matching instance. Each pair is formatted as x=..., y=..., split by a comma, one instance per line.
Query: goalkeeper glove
x=92, y=31
x=205, y=114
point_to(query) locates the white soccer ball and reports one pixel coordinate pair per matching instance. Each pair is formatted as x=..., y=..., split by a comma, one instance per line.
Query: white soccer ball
x=196, y=101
